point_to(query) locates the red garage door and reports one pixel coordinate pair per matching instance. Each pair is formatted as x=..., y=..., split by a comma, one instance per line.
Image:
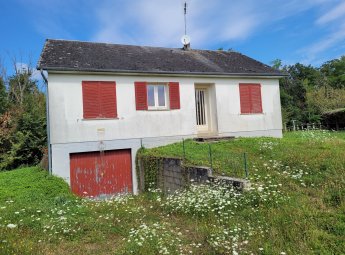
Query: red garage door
x=101, y=173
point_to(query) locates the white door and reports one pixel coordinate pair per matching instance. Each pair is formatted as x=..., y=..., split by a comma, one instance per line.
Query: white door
x=202, y=110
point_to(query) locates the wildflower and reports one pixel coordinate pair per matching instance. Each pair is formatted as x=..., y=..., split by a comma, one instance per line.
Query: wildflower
x=260, y=189
x=11, y=225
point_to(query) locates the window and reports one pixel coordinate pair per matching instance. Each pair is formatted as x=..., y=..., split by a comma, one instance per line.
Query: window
x=99, y=99
x=250, y=97
x=156, y=96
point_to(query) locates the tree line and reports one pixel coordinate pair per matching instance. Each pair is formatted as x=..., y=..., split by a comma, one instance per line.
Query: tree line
x=306, y=93
x=23, y=138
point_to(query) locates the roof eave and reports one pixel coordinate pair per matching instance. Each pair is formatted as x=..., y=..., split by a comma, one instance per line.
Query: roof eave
x=136, y=72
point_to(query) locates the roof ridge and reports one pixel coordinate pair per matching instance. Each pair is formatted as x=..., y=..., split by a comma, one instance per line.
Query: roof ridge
x=108, y=43
x=145, y=46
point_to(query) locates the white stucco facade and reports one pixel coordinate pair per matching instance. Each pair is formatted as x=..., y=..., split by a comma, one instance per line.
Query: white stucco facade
x=70, y=133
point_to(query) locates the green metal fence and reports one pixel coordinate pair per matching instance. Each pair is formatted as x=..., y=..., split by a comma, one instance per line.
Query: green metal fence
x=215, y=155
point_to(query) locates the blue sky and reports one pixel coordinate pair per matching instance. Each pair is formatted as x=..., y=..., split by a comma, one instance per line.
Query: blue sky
x=306, y=31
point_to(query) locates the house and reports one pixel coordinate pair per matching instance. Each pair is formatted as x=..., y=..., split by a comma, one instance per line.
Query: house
x=107, y=100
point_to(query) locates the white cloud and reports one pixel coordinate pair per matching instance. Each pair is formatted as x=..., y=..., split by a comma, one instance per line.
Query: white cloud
x=337, y=12
x=222, y=21
x=333, y=22
x=160, y=22
x=210, y=23
x=55, y=18
x=154, y=22
x=24, y=67
x=331, y=41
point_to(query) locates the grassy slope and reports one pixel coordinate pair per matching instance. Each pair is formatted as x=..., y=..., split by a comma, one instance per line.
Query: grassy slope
x=309, y=218
x=313, y=219
x=31, y=185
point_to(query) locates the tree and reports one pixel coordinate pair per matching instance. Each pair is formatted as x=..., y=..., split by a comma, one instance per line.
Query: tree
x=3, y=96
x=296, y=89
x=22, y=119
x=3, y=92
x=310, y=76
x=28, y=138
x=326, y=98
x=277, y=64
x=21, y=83
x=334, y=70
x=293, y=94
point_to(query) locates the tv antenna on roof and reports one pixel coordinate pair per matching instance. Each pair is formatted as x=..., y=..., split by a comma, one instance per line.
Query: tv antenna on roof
x=185, y=38
x=185, y=17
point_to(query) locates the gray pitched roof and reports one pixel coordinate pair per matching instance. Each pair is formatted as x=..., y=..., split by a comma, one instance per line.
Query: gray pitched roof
x=62, y=55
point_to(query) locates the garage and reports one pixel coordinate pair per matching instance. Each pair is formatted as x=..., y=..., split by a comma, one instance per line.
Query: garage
x=101, y=174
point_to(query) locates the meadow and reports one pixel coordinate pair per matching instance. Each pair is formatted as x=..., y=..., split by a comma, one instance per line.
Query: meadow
x=296, y=205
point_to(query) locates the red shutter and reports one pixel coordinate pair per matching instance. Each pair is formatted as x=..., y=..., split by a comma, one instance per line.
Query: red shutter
x=99, y=99
x=174, y=95
x=91, y=99
x=245, y=98
x=255, y=90
x=250, y=97
x=140, y=95
x=108, y=104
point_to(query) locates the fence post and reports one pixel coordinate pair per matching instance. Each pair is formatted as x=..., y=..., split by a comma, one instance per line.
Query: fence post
x=141, y=142
x=294, y=125
x=210, y=156
x=184, y=149
x=245, y=164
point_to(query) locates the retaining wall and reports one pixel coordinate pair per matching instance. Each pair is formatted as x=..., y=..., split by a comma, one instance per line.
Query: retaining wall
x=173, y=175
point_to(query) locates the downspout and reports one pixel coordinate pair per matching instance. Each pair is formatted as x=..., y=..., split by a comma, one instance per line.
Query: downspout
x=48, y=123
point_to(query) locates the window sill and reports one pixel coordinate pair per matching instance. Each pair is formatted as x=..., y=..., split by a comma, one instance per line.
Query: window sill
x=246, y=114
x=158, y=110
x=99, y=119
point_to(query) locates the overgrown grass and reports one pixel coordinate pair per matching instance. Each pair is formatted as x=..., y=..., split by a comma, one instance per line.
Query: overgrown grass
x=296, y=206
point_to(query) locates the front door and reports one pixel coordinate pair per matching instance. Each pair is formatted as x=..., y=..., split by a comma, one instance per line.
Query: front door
x=202, y=110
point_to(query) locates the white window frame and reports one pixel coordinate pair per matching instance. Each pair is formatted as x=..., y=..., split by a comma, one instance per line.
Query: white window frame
x=166, y=91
